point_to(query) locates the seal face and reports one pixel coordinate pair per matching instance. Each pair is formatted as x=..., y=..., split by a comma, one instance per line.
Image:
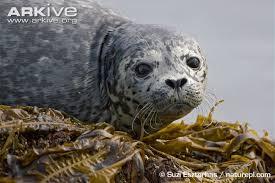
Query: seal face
x=105, y=68
x=157, y=75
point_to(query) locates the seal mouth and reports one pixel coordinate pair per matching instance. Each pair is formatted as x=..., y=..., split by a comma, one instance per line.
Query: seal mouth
x=176, y=106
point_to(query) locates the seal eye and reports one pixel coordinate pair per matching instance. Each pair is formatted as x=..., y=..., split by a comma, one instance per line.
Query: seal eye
x=193, y=63
x=143, y=70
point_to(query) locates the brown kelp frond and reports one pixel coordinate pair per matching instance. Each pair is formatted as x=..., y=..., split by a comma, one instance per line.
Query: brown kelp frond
x=28, y=119
x=45, y=145
x=107, y=174
x=63, y=168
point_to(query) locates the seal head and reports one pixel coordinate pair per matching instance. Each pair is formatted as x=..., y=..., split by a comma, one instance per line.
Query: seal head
x=152, y=75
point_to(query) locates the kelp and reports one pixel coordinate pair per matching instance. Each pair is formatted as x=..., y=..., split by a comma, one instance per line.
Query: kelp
x=46, y=145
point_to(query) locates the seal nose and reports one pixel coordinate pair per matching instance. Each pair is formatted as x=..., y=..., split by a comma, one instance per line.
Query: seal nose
x=176, y=83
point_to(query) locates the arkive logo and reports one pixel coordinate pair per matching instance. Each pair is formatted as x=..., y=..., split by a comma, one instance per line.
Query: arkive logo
x=45, y=11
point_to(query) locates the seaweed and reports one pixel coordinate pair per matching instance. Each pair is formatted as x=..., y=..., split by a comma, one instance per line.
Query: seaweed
x=46, y=145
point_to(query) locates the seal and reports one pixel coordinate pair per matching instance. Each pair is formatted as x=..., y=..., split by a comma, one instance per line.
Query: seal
x=102, y=68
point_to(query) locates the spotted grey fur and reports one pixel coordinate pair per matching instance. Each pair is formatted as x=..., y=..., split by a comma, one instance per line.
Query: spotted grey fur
x=87, y=69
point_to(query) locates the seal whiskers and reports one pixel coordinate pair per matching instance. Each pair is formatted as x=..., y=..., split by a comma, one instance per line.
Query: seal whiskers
x=141, y=111
x=150, y=122
x=143, y=122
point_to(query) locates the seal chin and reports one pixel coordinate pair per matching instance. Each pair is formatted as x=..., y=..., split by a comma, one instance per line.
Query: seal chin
x=174, y=111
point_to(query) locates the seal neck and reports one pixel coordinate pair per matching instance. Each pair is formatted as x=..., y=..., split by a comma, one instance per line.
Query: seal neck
x=106, y=63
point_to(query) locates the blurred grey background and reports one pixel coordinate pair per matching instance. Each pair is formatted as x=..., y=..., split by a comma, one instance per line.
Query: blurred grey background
x=237, y=38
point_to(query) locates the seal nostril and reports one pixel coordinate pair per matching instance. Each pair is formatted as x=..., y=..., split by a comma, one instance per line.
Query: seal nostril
x=182, y=82
x=171, y=83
